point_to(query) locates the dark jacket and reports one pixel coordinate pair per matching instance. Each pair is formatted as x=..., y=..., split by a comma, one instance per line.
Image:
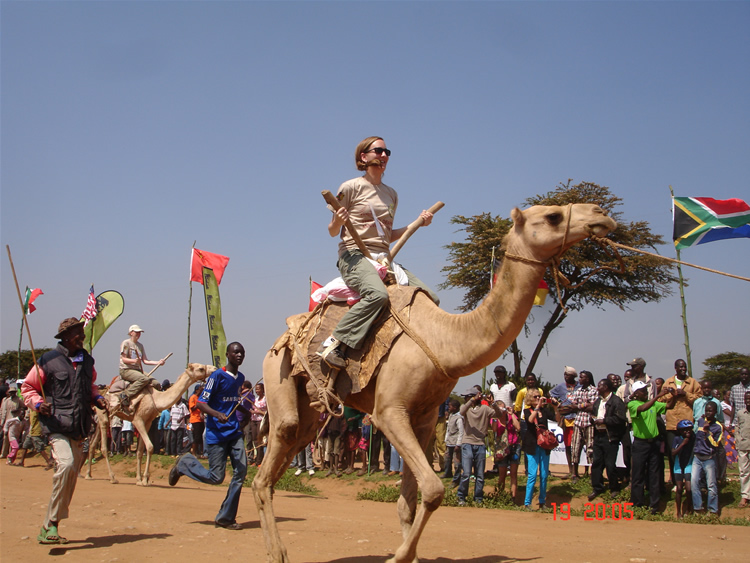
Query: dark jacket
x=68, y=390
x=615, y=418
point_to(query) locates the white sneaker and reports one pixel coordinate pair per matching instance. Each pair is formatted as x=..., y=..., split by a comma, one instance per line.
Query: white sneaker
x=298, y=472
x=311, y=472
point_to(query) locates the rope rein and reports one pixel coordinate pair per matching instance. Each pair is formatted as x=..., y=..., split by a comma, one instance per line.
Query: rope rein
x=674, y=260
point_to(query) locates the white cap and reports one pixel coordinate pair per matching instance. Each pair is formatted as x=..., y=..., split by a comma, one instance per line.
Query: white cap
x=638, y=385
x=135, y=328
x=570, y=369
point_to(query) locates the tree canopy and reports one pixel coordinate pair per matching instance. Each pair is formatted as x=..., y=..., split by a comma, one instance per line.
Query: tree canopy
x=722, y=370
x=646, y=279
x=9, y=363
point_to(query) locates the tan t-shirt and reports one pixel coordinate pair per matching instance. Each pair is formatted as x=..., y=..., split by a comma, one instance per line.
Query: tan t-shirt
x=371, y=211
x=132, y=350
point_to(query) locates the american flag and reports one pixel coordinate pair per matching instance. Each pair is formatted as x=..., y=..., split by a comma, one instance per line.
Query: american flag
x=90, y=311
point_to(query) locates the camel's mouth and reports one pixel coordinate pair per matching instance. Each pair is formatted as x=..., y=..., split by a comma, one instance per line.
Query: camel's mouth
x=602, y=228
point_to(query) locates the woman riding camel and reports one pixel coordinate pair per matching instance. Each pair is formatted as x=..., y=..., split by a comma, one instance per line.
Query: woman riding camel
x=370, y=205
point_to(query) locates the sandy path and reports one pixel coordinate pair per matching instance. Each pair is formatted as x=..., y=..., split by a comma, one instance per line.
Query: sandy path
x=126, y=523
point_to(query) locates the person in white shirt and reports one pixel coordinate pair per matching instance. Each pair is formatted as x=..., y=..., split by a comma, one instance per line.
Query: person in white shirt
x=503, y=390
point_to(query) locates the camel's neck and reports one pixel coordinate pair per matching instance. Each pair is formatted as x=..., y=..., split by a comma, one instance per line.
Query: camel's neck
x=481, y=336
x=165, y=399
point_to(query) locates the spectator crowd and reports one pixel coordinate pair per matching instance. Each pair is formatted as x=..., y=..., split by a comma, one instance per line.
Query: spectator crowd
x=674, y=434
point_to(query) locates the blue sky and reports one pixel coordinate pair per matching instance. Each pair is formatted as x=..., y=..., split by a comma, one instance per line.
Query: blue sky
x=131, y=129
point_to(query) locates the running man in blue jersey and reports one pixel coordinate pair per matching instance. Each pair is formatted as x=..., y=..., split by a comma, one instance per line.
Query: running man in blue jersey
x=223, y=437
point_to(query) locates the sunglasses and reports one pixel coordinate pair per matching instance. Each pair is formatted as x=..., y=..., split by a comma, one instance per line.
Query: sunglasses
x=379, y=151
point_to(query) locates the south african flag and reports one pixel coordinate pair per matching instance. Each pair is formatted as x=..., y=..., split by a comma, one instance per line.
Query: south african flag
x=698, y=220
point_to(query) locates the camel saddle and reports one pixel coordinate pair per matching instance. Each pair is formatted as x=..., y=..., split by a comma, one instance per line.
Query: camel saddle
x=307, y=331
x=117, y=386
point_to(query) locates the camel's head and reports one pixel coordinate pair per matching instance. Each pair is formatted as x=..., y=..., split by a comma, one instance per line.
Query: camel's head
x=199, y=372
x=548, y=231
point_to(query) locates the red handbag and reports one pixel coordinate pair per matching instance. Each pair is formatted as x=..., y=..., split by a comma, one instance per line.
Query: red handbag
x=545, y=438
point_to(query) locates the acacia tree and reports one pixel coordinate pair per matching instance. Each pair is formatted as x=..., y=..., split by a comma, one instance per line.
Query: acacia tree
x=646, y=279
x=722, y=370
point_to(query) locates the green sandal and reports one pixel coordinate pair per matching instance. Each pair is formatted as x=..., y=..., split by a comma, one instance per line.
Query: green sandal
x=50, y=536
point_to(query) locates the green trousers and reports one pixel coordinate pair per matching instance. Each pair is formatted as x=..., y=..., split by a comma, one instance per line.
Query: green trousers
x=360, y=275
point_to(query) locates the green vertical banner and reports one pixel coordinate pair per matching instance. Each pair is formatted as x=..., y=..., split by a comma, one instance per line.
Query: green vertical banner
x=213, y=314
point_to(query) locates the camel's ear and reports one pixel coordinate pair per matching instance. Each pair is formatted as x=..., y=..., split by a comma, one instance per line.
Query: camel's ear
x=518, y=217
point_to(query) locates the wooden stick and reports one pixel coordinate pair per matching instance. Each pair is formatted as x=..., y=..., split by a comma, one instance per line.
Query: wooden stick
x=412, y=228
x=25, y=320
x=243, y=396
x=158, y=365
x=333, y=202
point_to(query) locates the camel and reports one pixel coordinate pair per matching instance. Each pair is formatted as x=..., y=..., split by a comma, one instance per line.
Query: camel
x=145, y=408
x=403, y=398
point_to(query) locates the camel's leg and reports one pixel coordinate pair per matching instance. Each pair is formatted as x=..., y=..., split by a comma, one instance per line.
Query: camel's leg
x=93, y=444
x=410, y=441
x=143, y=444
x=103, y=423
x=292, y=426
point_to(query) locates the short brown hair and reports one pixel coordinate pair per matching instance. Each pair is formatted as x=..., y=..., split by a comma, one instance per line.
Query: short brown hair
x=362, y=147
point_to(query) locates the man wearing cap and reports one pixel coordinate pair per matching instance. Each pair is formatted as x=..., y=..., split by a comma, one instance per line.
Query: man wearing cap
x=563, y=392
x=473, y=452
x=132, y=359
x=646, y=444
x=687, y=390
x=62, y=390
x=637, y=373
x=503, y=390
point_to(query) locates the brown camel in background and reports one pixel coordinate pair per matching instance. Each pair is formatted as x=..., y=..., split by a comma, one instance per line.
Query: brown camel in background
x=404, y=396
x=146, y=406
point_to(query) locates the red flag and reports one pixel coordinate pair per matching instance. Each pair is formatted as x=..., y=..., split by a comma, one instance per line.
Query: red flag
x=314, y=286
x=31, y=295
x=201, y=258
x=90, y=311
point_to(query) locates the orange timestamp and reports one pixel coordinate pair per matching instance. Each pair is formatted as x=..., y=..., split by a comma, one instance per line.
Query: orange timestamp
x=598, y=511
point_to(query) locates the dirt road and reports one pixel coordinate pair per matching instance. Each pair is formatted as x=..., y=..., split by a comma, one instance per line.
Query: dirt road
x=126, y=523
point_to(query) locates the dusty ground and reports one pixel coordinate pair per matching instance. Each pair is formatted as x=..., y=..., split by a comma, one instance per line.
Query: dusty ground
x=126, y=523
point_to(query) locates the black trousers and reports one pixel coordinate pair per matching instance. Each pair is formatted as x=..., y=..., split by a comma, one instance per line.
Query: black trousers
x=175, y=441
x=605, y=456
x=646, y=465
x=377, y=439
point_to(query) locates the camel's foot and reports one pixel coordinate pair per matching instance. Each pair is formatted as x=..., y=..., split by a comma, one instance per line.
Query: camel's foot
x=114, y=481
x=143, y=483
x=88, y=477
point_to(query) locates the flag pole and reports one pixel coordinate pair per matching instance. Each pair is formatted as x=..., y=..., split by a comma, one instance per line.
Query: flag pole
x=20, y=341
x=25, y=320
x=190, y=305
x=682, y=301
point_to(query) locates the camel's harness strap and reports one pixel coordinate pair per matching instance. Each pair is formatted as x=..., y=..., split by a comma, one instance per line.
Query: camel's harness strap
x=418, y=340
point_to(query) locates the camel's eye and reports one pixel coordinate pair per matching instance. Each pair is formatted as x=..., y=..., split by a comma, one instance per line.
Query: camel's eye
x=554, y=218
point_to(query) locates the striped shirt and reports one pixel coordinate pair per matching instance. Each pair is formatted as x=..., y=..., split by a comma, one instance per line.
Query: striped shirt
x=580, y=396
x=737, y=397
